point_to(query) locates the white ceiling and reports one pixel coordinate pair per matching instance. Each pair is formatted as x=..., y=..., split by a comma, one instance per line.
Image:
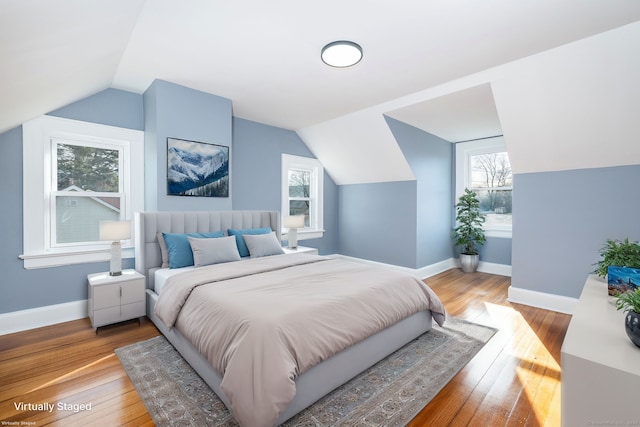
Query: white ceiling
x=461, y=116
x=265, y=56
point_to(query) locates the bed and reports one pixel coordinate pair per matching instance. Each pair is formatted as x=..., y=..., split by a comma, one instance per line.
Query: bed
x=308, y=374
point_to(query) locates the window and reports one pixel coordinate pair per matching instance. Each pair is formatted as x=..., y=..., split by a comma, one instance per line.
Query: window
x=483, y=166
x=302, y=193
x=77, y=174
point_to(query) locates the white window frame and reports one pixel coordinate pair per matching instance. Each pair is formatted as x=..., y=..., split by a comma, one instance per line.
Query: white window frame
x=38, y=192
x=464, y=152
x=316, y=227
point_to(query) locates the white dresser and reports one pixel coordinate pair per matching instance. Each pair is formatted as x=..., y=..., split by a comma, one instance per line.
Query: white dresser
x=115, y=299
x=600, y=365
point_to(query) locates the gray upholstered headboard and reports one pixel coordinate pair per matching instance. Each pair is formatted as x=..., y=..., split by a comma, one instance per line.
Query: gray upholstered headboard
x=149, y=224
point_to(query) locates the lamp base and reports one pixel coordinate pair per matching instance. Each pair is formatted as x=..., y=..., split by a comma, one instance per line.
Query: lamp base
x=292, y=237
x=115, y=267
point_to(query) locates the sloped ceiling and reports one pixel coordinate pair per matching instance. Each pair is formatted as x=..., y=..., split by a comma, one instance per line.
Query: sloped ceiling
x=264, y=56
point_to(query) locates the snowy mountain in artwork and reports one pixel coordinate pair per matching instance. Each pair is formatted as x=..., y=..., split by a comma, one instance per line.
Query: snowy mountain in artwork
x=197, y=169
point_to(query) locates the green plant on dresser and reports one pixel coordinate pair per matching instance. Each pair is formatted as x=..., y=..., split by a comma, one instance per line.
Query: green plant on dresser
x=619, y=254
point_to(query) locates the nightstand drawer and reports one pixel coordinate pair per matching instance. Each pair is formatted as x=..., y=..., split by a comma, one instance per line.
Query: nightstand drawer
x=106, y=296
x=114, y=299
x=106, y=316
x=133, y=291
x=131, y=311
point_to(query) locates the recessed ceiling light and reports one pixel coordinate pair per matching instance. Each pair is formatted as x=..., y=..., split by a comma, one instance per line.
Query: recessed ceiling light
x=341, y=54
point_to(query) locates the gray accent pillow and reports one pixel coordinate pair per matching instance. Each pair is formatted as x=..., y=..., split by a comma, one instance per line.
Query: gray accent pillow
x=208, y=251
x=260, y=245
x=163, y=251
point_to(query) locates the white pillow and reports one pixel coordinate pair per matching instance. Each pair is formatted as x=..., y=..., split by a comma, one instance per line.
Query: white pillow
x=260, y=245
x=208, y=251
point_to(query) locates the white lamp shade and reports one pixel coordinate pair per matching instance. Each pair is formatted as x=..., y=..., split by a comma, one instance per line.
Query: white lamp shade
x=115, y=230
x=294, y=221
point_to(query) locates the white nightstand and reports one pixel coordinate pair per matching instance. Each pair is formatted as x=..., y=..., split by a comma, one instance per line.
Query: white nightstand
x=301, y=249
x=114, y=299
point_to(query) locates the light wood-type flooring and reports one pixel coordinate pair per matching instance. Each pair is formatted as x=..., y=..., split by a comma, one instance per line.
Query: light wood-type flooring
x=513, y=380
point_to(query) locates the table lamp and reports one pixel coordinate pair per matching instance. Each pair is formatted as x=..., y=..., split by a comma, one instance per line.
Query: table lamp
x=115, y=231
x=293, y=223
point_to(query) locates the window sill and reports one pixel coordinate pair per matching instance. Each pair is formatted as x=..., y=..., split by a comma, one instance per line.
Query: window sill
x=46, y=260
x=503, y=234
x=305, y=234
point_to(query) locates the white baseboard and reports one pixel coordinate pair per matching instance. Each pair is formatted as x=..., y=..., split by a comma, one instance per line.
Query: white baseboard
x=420, y=273
x=543, y=300
x=490, y=267
x=32, y=318
x=433, y=269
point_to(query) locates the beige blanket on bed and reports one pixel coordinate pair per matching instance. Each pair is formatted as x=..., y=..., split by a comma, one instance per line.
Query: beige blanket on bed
x=263, y=321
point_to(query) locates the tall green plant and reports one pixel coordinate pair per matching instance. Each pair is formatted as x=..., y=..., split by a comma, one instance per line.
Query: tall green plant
x=618, y=253
x=468, y=232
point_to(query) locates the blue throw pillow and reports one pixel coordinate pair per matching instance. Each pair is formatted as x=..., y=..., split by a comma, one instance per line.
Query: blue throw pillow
x=242, y=246
x=179, y=249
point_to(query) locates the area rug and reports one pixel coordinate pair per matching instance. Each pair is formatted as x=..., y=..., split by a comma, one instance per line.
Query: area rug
x=388, y=394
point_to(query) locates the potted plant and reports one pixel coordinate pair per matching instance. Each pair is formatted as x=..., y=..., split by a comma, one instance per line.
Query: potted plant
x=630, y=303
x=468, y=232
x=618, y=259
x=618, y=253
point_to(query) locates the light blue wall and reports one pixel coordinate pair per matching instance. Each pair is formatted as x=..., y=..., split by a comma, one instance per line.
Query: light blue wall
x=378, y=222
x=562, y=219
x=110, y=107
x=430, y=159
x=22, y=289
x=496, y=250
x=169, y=105
x=256, y=168
x=176, y=111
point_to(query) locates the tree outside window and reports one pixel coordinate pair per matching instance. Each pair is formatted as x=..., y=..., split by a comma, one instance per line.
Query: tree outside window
x=492, y=180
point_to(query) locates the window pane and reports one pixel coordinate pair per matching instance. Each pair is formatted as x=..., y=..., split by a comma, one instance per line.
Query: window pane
x=491, y=171
x=299, y=183
x=492, y=181
x=89, y=168
x=495, y=201
x=78, y=218
x=300, y=207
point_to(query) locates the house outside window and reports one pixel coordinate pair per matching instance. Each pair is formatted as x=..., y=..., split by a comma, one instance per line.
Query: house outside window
x=87, y=187
x=483, y=166
x=77, y=174
x=302, y=193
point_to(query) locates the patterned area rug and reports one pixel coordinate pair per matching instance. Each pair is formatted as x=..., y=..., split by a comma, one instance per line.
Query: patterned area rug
x=389, y=393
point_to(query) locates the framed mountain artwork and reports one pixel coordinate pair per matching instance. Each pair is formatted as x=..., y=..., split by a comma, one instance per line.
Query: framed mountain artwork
x=197, y=169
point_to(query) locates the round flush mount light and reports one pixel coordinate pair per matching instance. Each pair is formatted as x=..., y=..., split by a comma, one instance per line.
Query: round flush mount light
x=341, y=54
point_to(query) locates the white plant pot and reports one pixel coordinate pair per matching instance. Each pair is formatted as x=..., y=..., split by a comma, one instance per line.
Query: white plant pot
x=469, y=263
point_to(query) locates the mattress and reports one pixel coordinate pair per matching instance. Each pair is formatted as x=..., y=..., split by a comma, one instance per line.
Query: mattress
x=163, y=274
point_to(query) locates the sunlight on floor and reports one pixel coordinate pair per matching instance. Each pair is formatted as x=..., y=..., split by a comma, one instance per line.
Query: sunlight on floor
x=536, y=370
x=72, y=373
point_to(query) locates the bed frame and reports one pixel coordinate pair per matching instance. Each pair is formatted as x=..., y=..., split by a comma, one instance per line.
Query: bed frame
x=310, y=385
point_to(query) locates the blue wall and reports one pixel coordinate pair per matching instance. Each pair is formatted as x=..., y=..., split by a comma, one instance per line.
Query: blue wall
x=256, y=166
x=562, y=219
x=403, y=223
x=22, y=289
x=430, y=159
x=378, y=222
x=176, y=111
x=164, y=110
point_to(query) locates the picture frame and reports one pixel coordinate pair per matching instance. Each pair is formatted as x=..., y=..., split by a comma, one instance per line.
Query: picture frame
x=197, y=169
x=622, y=279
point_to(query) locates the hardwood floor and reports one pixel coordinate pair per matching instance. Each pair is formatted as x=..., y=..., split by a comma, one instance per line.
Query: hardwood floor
x=513, y=380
